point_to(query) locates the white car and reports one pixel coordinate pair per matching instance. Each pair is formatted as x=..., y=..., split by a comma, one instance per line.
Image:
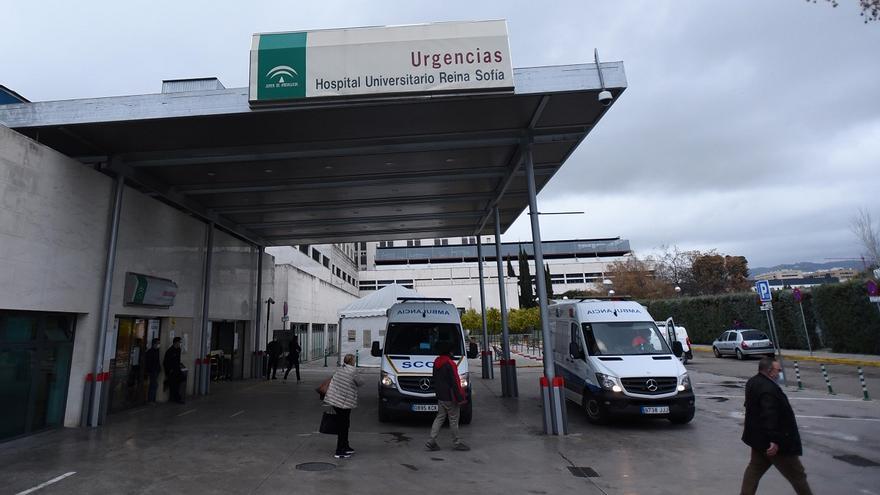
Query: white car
x=743, y=342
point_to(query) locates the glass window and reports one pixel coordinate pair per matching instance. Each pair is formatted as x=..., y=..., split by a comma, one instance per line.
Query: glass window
x=754, y=335
x=420, y=339
x=366, y=334
x=732, y=337
x=624, y=338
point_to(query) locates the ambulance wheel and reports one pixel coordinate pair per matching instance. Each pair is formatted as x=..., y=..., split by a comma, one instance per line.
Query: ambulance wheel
x=384, y=415
x=595, y=413
x=467, y=413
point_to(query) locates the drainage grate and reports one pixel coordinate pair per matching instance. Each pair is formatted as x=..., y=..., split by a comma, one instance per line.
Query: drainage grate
x=583, y=472
x=856, y=460
x=316, y=466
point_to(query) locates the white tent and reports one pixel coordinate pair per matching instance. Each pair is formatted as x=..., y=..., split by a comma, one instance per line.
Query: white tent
x=363, y=321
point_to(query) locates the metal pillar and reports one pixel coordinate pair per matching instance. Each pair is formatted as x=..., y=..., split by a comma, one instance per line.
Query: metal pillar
x=96, y=414
x=555, y=404
x=257, y=317
x=486, y=355
x=204, y=371
x=508, y=373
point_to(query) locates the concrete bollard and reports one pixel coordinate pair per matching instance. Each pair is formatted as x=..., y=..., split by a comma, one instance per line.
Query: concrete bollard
x=797, y=374
x=827, y=381
x=864, y=388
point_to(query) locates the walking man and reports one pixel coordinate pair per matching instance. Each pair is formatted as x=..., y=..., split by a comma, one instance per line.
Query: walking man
x=152, y=367
x=771, y=431
x=450, y=397
x=293, y=358
x=174, y=376
x=273, y=349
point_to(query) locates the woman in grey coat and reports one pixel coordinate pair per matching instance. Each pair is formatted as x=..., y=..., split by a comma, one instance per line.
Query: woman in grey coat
x=342, y=394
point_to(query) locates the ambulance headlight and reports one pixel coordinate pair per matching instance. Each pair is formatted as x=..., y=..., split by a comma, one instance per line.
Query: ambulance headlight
x=387, y=380
x=608, y=382
x=464, y=380
x=684, y=383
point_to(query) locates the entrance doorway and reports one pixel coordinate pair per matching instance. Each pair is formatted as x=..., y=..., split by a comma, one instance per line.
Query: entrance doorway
x=227, y=356
x=128, y=385
x=35, y=354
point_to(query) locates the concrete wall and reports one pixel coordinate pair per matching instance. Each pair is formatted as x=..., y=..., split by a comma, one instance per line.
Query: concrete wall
x=54, y=227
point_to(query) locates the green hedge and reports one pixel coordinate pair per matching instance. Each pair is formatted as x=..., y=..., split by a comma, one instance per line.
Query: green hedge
x=838, y=316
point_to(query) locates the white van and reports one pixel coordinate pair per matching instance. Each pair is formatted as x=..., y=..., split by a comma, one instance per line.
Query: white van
x=415, y=326
x=673, y=331
x=615, y=362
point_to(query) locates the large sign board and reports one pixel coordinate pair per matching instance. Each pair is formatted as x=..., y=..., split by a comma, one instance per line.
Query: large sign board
x=144, y=290
x=762, y=287
x=425, y=58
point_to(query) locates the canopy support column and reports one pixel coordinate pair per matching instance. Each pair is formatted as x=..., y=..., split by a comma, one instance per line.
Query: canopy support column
x=508, y=366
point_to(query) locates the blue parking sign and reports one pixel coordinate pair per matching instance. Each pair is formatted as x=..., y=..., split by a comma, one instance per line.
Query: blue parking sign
x=762, y=287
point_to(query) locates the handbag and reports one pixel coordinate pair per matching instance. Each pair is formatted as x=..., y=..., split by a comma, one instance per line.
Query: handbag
x=322, y=388
x=329, y=424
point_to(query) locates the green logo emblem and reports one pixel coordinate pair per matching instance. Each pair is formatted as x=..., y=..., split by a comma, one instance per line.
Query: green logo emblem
x=281, y=66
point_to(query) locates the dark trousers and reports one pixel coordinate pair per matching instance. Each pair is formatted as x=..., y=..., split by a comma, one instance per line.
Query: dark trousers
x=292, y=365
x=175, y=384
x=154, y=386
x=273, y=367
x=789, y=465
x=343, y=416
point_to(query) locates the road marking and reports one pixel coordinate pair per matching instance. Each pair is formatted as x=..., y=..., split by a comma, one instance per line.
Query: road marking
x=789, y=398
x=236, y=414
x=835, y=417
x=44, y=485
x=184, y=413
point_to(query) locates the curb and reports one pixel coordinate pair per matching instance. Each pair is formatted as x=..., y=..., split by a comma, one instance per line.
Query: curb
x=815, y=359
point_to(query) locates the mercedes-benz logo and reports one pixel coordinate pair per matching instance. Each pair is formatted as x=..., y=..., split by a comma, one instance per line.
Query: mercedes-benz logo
x=425, y=384
x=651, y=385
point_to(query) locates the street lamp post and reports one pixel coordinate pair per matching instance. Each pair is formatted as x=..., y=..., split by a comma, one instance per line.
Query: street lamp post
x=607, y=283
x=470, y=305
x=269, y=303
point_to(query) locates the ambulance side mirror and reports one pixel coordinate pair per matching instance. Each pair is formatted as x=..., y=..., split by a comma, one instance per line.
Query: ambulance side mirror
x=677, y=349
x=575, y=351
x=376, y=351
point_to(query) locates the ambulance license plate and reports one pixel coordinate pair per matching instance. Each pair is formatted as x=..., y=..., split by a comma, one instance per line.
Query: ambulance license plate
x=424, y=407
x=655, y=410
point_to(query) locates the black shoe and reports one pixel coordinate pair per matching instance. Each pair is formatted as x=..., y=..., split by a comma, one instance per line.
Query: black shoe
x=349, y=451
x=342, y=455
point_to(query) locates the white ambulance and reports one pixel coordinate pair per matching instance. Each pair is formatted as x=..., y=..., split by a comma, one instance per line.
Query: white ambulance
x=615, y=362
x=415, y=326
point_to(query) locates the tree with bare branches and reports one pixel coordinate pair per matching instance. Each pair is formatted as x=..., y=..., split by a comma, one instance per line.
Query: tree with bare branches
x=870, y=8
x=868, y=233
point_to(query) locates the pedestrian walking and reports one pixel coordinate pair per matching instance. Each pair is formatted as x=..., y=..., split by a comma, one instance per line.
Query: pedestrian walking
x=174, y=376
x=771, y=431
x=450, y=397
x=152, y=367
x=293, y=358
x=273, y=349
x=342, y=394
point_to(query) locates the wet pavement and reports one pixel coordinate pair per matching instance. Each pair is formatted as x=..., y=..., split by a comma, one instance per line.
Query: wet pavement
x=260, y=437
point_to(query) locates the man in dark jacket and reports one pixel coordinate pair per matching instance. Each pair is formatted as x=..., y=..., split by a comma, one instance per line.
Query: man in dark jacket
x=152, y=368
x=293, y=358
x=450, y=396
x=771, y=431
x=273, y=349
x=174, y=370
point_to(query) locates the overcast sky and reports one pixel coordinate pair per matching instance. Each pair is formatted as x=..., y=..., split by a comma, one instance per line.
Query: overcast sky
x=750, y=127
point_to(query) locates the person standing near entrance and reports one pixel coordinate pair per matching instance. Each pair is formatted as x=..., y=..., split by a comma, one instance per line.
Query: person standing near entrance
x=342, y=394
x=450, y=397
x=293, y=358
x=273, y=349
x=771, y=431
x=152, y=368
x=174, y=376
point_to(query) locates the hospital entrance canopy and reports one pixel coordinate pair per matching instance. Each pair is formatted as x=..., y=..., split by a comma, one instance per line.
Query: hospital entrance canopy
x=343, y=135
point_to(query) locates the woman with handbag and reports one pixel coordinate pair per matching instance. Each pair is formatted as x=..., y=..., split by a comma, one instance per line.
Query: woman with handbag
x=342, y=394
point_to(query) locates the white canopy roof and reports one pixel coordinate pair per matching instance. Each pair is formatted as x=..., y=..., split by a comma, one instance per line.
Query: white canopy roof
x=377, y=303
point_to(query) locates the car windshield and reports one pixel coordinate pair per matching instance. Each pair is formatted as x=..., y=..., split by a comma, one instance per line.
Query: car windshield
x=754, y=335
x=420, y=339
x=624, y=338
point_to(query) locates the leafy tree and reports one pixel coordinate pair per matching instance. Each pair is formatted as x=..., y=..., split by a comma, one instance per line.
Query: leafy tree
x=870, y=8
x=717, y=274
x=472, y=320
x=493, y=320
x=635, y=278
x=524, y=320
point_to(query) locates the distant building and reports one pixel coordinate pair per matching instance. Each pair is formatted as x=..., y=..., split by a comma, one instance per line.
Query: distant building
x=836, y=274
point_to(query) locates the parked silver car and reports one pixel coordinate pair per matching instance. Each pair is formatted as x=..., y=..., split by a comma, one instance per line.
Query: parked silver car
x=743, y=342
